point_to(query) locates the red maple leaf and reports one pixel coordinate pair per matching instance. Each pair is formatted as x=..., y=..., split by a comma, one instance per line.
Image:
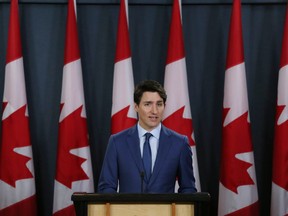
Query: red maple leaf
x=280, y=165
x=121, y=121
x=15, y=134
x=72, y=135
x=236, y=140
x=179, y=124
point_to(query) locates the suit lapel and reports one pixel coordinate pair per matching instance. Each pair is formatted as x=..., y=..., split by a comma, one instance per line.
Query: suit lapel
x=162, y=153
x=133, y=146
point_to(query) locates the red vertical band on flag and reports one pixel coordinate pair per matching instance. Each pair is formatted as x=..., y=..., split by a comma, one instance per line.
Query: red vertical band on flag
x=14, y=50
x=123, y=41
x=72, y=51
x=235, y=52
x=176, y=44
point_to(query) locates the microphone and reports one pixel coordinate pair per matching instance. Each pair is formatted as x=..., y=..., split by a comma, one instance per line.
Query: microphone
x=142, y=180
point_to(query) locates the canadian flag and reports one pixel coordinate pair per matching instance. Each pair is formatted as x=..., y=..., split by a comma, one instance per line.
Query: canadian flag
x=279, y=199
x=74, y=169
x=237, y=189
x=17, y=182
x=177, y=114
x=123, y=113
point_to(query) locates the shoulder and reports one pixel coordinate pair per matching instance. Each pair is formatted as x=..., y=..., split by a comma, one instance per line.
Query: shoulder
x=125, y=133
x=173, y=134
x=177, y=141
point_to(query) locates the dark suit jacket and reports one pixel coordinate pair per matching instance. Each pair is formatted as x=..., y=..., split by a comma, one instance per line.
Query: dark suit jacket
x=123, y=162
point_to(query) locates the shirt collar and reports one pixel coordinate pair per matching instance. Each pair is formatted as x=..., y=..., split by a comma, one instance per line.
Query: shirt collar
x=155, y=132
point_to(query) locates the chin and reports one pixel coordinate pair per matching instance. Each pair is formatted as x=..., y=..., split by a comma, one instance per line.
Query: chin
x=154, y=125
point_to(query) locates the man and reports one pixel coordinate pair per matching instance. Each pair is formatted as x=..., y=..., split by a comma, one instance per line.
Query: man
x=169, y=154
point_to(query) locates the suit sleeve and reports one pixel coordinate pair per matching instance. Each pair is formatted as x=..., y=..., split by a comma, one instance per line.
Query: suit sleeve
x=185, y=174
x=108, y=180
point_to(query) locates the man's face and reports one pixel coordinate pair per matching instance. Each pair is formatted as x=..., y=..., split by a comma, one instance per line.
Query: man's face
x=150, y=110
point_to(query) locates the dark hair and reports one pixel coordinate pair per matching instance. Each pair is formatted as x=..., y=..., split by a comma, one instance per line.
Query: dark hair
x=149, y=86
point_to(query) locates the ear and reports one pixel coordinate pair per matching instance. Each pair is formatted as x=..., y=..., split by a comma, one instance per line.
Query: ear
x=136, y=107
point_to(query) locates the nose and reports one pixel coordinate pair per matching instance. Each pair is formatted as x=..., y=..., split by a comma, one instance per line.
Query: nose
x=154, y=109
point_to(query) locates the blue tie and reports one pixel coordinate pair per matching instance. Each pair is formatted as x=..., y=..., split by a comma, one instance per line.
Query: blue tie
x=147, y=159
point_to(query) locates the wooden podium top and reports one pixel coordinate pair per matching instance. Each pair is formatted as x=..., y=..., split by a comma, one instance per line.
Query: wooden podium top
x=143, y=198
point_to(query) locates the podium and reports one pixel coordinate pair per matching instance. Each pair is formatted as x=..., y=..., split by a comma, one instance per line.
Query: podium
x=93, y=204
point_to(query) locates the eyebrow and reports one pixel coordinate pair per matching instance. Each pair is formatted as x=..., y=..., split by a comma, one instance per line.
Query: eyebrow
x=160, y=101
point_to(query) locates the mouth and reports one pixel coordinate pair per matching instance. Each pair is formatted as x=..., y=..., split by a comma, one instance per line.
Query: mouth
x=153, y=118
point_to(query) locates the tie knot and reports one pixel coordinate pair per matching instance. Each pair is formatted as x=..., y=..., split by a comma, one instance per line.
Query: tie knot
x=147, y=136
